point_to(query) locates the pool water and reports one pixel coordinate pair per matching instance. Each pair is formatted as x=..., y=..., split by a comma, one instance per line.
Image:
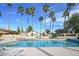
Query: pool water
x=48, y=43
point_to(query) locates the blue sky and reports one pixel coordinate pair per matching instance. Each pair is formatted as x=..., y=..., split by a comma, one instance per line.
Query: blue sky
x=14, y=17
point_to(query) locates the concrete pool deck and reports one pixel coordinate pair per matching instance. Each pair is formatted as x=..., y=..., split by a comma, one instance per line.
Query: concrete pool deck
x=42, y=51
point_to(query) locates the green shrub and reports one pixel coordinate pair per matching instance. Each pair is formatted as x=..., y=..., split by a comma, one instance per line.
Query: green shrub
x=53, y=36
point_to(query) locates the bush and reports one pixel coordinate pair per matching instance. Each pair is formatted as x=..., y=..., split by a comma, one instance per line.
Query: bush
x=29, y=29
x=53, y=36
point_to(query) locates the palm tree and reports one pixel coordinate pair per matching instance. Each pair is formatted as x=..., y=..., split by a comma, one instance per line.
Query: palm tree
x=18, y=29
x=65, y=15
x=69, y=7
x=40, y=19
x=51, y=14
x=33, y=14
x=45, y=9
x=53, y=19
x=9, y=6
x=27, y=12
x=21, y=12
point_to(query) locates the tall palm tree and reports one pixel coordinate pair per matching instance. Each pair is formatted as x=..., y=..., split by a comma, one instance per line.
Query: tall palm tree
x=21, y=12
x=33, y=14
x=45, y=9
x=9, y=6
x=65, y=15
x=27, y=12
x=40, y=19
x=69, y=7
x=53, y=19
x=51, y=14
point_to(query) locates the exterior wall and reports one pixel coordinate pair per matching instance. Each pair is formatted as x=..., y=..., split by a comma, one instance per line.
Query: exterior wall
x=34, y=34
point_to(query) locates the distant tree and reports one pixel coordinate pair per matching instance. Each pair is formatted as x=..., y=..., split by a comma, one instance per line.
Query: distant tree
x=47, y=31
x=59, y=31
x=29, y=29
x=22, y=30
x=18, y=30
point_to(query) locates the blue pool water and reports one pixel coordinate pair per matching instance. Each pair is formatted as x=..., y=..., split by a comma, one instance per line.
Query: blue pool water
x=49, y=43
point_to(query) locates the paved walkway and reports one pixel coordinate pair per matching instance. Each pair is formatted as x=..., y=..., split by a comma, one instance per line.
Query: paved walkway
x=42, y=51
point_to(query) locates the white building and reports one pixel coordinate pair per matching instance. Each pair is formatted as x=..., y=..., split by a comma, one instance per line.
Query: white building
x=36, y=34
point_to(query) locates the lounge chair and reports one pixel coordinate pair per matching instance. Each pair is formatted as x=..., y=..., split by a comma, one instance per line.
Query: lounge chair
x=2, y=51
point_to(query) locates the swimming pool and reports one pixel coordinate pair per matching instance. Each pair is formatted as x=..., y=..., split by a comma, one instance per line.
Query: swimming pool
x=40, y=43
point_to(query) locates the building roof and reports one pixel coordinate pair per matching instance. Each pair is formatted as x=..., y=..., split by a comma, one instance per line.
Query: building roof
x=4, y=31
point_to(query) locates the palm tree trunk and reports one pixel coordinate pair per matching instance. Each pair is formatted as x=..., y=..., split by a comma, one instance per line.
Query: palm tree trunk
x=68, y=22
x=45, y=20
x=68, y=26
x=8, y=24
x=40, y=28
x=28, y=21
x=32, y=25
x=64, y=24
x=52, y=27
x=21, y=24
x=8, y=20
